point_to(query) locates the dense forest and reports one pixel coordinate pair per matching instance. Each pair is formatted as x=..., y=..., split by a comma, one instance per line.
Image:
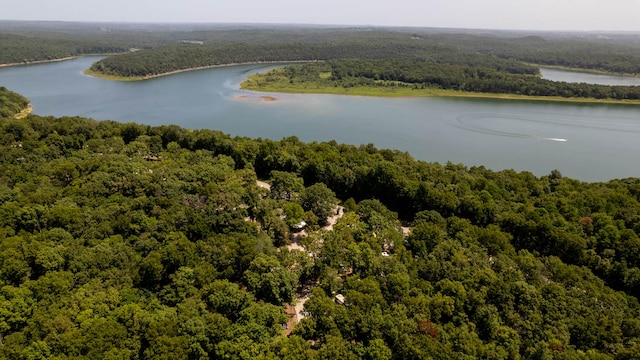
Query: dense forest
x=11, y=103
x=130, y=241
x=36, y=41
x=574, y=52
x=419, y=75
x=184, y=56
x=506, y=54
x=501, y=57
x=33, y=46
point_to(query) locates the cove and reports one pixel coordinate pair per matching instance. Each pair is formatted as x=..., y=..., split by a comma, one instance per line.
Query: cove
x=582, y=77
x=590, y=142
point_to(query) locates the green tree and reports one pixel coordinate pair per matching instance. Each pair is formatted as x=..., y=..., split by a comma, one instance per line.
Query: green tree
x=320, y=200
x=293, y=212
x=285, y=186
x=270, y=281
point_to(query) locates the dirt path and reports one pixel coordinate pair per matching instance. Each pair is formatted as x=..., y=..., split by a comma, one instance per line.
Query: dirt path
x=339, y=212
x=263, y=185
x=24, y=112
x=295, y=244
x=406, y=231
x=300, y=313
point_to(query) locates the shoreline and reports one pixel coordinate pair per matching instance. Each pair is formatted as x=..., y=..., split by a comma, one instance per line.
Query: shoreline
x=100, y=75
x=39, y=61
x=354, y=91
x=586, y=71
x=55, y=60
x=376, y=92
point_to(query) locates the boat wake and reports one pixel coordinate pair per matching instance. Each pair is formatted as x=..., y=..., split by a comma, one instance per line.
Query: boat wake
x=493, y=124
x=480, y=123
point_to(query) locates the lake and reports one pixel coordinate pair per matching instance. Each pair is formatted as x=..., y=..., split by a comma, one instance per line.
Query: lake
x=578, y=77
x=590, y=142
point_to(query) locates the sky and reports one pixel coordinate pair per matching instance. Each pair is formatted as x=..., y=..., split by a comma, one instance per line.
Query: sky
x=592, y=15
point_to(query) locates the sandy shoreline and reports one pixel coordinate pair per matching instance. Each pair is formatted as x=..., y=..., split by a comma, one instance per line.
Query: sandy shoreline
x=500, y=96
x=139, y=78
x=264, y=98
x=39, y=61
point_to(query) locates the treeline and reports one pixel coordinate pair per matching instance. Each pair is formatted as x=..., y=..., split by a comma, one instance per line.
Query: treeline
x=504, y=54
x=578, y=52
x=11, y=103
x=161, y=45
x=424, y=75
x=139, y=242
x=30, y=41
x=18, y=48
x=184, y=56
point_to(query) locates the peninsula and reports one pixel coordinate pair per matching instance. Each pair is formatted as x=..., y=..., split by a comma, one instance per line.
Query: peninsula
x=400, y=78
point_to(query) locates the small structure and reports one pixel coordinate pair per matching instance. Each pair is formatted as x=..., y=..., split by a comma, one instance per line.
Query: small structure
x=299, y=226
x=339, y=299
x=152, y=157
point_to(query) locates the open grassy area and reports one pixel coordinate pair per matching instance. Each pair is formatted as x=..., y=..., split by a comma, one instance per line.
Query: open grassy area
x=275, y=81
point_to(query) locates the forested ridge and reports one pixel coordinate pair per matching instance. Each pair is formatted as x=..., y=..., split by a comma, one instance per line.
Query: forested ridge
x=577, y=52
x=170, y=58
x=28, y=48
x=137, y=242
x=419, y=75
x=36, y=41
x=495, y=62
x=506, y=54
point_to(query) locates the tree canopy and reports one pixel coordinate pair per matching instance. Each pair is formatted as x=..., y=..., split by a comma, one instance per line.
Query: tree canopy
x=389, y=75
x=11, y=103
x=134, y=241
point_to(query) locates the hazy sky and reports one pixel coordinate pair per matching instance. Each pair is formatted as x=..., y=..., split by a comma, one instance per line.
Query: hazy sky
x=496, y=14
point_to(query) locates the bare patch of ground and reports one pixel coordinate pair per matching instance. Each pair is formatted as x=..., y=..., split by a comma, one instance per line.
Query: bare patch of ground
x=263, y=185
x=300, y=313
x=406, y=231
x=339, y=212
x=24, y=113
x=295, y=241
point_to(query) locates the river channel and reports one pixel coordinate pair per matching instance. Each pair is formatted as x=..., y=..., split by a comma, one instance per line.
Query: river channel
x=590, y=142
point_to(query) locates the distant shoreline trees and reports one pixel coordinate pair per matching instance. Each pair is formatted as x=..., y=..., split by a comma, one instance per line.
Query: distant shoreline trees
x=426, y=75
